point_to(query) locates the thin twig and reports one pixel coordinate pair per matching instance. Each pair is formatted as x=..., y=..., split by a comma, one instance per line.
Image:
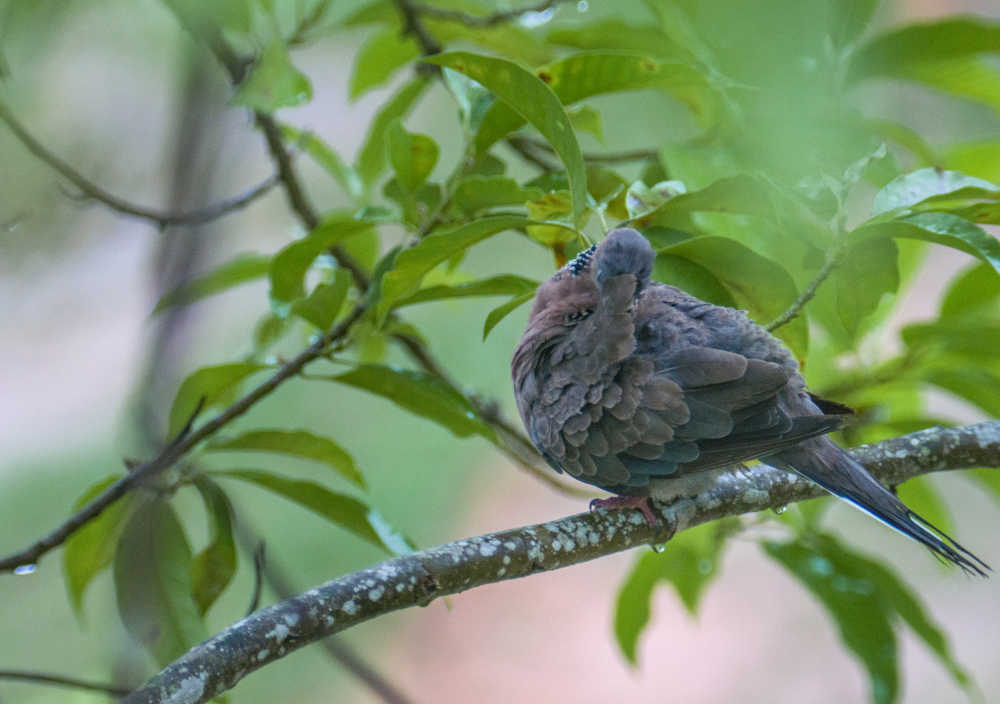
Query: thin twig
x=793, y=310
x=413, y=25
x=209, y=669
x=482, y=20
x=529, y=154
x=176, y=450
x=61, y=681
x=92, y=191
x=593, y=157
x=259, y=563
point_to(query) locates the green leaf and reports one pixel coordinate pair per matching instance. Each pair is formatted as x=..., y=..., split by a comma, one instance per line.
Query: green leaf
x=502, y=311
x=534, y=101
x=756, y=283
x=848, y=595
x=897, y=52
x=153, y=583
x=273, y=82
x=592, y=73
x=976, y=385
x=412, y=156
x=326, y=157
x=372, y=159
x=210, y=384
x=967, y=77
x=852, y=578
x=693, y=278
x=917, y=186
x=742, y=195
x=297, y=443
x=616, y=35
x=411, y=265
x=340, y=509
x=477, y=193
x=243, y=268
x=907, y=138
x=689, y=563
x=289, y=266
x=974, y=292
x=473, y=100
x=90, y=550
x=213, y=568
x=324, y=303
x=956, y=336
x=502, y=285
x=941, y=228
x=863, y=276
x=420, y=394
x=980, y=158
x=382, y=54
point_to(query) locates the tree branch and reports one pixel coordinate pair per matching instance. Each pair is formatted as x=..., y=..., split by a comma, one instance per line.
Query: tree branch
x=61, y=681
x=799, y=303
x=216, y=665
x=177, y=449
x=92, y=191
x=593, y=157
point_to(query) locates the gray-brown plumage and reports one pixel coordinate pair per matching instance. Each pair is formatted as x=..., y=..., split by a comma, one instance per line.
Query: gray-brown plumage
x=626, y=383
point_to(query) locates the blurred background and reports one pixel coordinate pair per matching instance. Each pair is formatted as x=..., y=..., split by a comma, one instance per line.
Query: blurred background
x=118, y=90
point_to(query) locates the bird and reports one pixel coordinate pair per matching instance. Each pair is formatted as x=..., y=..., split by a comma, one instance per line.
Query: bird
x=635, y=387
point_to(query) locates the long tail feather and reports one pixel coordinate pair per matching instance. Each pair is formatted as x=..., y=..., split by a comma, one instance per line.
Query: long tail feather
x=826, y=464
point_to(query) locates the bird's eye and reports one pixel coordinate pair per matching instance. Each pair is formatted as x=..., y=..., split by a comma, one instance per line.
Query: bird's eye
x=577, y=315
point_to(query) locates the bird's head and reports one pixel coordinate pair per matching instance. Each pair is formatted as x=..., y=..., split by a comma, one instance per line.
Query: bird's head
x=588, y=301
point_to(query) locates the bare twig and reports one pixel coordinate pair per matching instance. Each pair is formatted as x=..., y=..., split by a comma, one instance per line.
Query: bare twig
x=527, y=152
x=482, y=20
x=94, y=192
x=413, y=25
x=219, y=663
x=793, y=310
x=176, y=450
x=61, y=681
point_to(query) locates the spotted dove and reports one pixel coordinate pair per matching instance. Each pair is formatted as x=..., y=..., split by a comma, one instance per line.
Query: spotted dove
x=636, y=387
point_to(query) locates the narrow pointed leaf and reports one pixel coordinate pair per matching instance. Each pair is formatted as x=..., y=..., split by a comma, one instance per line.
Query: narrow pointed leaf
x=503, y=285
x=91, y=549
x=974, y=292
x=412, y=264
x=917, y=186
x=206, y=386
x=153, y=583
x=324, y=155
x=213, y=568
x=477, y=193
x=528, y=96
x=340, y=509
x=941, y=228
x=296, y=443
x=868, y=271
x=502, y=311
x=273, y=82
x=242, y=269
x=420, y=394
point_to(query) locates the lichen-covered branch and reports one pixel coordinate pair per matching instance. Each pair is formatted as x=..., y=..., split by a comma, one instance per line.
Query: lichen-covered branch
x=93, y=191
x=219, y=663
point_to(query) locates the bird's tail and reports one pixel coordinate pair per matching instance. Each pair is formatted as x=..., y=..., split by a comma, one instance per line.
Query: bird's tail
x=826, y=464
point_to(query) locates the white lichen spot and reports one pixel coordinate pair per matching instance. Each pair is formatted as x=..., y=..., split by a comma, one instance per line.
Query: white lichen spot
x=506, y=559
x=262, y=655
x=556, y=545
x=501, y=572
x=400, y=587
x=413, y=580
x=278, y=633
x=376, y=593
x=510, y=545
x=190, y=689
x=329, y=621
x=635, y=518
x=370, y=583
x=487, y=550
x=291, y=620
x=349, y=607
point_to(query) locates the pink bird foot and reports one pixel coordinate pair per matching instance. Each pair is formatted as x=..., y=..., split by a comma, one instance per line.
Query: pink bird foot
x=639, y=502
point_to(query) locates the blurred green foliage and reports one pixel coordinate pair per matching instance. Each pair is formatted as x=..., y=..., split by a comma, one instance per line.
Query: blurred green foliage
x=777, y=177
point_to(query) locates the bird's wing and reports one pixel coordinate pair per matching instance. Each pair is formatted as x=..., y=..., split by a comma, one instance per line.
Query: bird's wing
x=703, y=408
